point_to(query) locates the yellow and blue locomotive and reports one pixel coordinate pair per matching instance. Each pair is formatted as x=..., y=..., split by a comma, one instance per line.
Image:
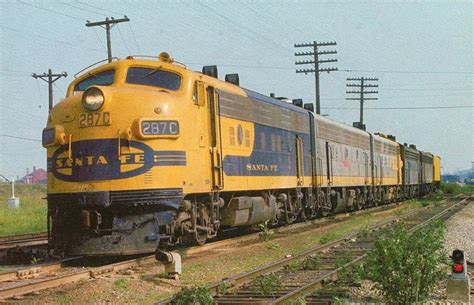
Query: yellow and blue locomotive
x=145, y=152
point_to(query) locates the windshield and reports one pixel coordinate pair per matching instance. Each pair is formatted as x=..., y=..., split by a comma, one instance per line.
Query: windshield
x=154, y=77
x=104, y=78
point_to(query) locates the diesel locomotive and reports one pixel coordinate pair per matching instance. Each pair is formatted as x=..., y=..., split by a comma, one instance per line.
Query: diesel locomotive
x=145, y=153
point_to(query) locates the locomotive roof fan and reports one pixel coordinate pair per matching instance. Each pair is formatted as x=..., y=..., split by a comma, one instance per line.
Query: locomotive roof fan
x=298, y=102
x=210, y=71
x=309, y=107
x=232, y=78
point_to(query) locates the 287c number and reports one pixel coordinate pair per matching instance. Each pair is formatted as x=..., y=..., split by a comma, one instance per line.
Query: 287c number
x=94, y=119
x=160, y=128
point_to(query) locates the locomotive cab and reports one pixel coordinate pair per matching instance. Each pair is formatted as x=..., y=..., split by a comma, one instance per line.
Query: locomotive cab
x=118, y=148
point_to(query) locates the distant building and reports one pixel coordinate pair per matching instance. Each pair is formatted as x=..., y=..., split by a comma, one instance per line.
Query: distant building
x=36, y=176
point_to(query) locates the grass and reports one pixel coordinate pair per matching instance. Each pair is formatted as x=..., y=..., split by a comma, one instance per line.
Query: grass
x=121, y=284
x=454, y=188
x=30, y=217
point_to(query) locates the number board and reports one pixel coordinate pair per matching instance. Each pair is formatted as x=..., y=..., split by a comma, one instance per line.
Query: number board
x=92, y=119
x=159, y=128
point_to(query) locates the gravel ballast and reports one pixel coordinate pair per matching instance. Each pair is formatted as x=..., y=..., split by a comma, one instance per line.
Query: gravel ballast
x=460, y=232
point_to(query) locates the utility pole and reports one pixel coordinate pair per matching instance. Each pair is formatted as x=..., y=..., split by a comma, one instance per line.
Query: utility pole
x=316, y=63
x=50, y=78
x=363, y=83
x=109, y=23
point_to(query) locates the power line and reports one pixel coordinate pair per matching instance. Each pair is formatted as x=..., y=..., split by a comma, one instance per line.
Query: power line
x=124, y=41
x=134, y=38
x=241, y=26
x=82, y=9
x=339, y=70
x=428, y=89
x=419, y=72
x=47, y=38
x=21, y=111
x=51, y=11
x=19, y=138
x=99, y=8
x=402, y=108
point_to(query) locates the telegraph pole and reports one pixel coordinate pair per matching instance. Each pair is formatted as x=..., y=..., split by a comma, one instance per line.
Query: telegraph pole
x=109, y=23
x=362, y=84
x=50, y=78
x=316, y=63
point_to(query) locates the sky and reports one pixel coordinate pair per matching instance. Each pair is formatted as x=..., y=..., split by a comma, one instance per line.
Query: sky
x=421, y=52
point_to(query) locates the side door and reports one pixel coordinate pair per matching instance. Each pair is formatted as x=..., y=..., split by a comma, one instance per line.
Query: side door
x=215, y=144
x=329, y=166
x=366, y=168
x=299, y=160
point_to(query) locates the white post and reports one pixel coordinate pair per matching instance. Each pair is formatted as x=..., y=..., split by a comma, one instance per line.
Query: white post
x=13, y=202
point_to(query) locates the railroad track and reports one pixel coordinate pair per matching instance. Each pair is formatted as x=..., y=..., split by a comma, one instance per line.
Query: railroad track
x=23, y=239
x=38, y=277
x=22, y=248
x=297, y=282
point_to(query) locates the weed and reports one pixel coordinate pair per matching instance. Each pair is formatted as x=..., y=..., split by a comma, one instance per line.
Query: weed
x=338, y=301
x=312, y=263
x=327, y=238
x=34, y=260
x=268, y=283
x=364, y=232
x=195, y=295
x=224, y=288
x=342, y=259
x=406, y=267
x=298, y=301
x=293, y=266
x=121, y=284
x=273, y=246
x=265, y=232
x=154, y=278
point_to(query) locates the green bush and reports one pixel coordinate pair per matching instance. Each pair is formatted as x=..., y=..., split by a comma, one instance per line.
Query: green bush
x=267, y=284
x=193, y=296
x=312, y=263
x=406, y=267
x=454, y=188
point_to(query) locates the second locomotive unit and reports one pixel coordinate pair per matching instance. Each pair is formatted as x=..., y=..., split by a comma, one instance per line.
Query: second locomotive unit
x=143, y=153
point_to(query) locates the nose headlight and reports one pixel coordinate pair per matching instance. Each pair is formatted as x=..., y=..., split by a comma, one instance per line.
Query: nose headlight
x=93, y=99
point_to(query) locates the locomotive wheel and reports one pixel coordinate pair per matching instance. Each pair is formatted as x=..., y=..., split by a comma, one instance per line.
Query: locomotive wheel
x=325, y=209
x=359, y=201
x=197, y=238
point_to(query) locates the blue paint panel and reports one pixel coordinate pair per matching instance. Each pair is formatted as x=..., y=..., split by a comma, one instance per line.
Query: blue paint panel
x=276, y=102
x=96, y=160
x=267, y=162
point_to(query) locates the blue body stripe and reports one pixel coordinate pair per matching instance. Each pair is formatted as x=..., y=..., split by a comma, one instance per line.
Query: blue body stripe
x=267, y=162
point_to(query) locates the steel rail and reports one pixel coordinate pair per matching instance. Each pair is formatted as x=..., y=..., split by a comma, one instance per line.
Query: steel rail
x=18, y=240
x=318, y=282
x=89, y=273
x=240, y=279
x=40, y=284
x=36, y=270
